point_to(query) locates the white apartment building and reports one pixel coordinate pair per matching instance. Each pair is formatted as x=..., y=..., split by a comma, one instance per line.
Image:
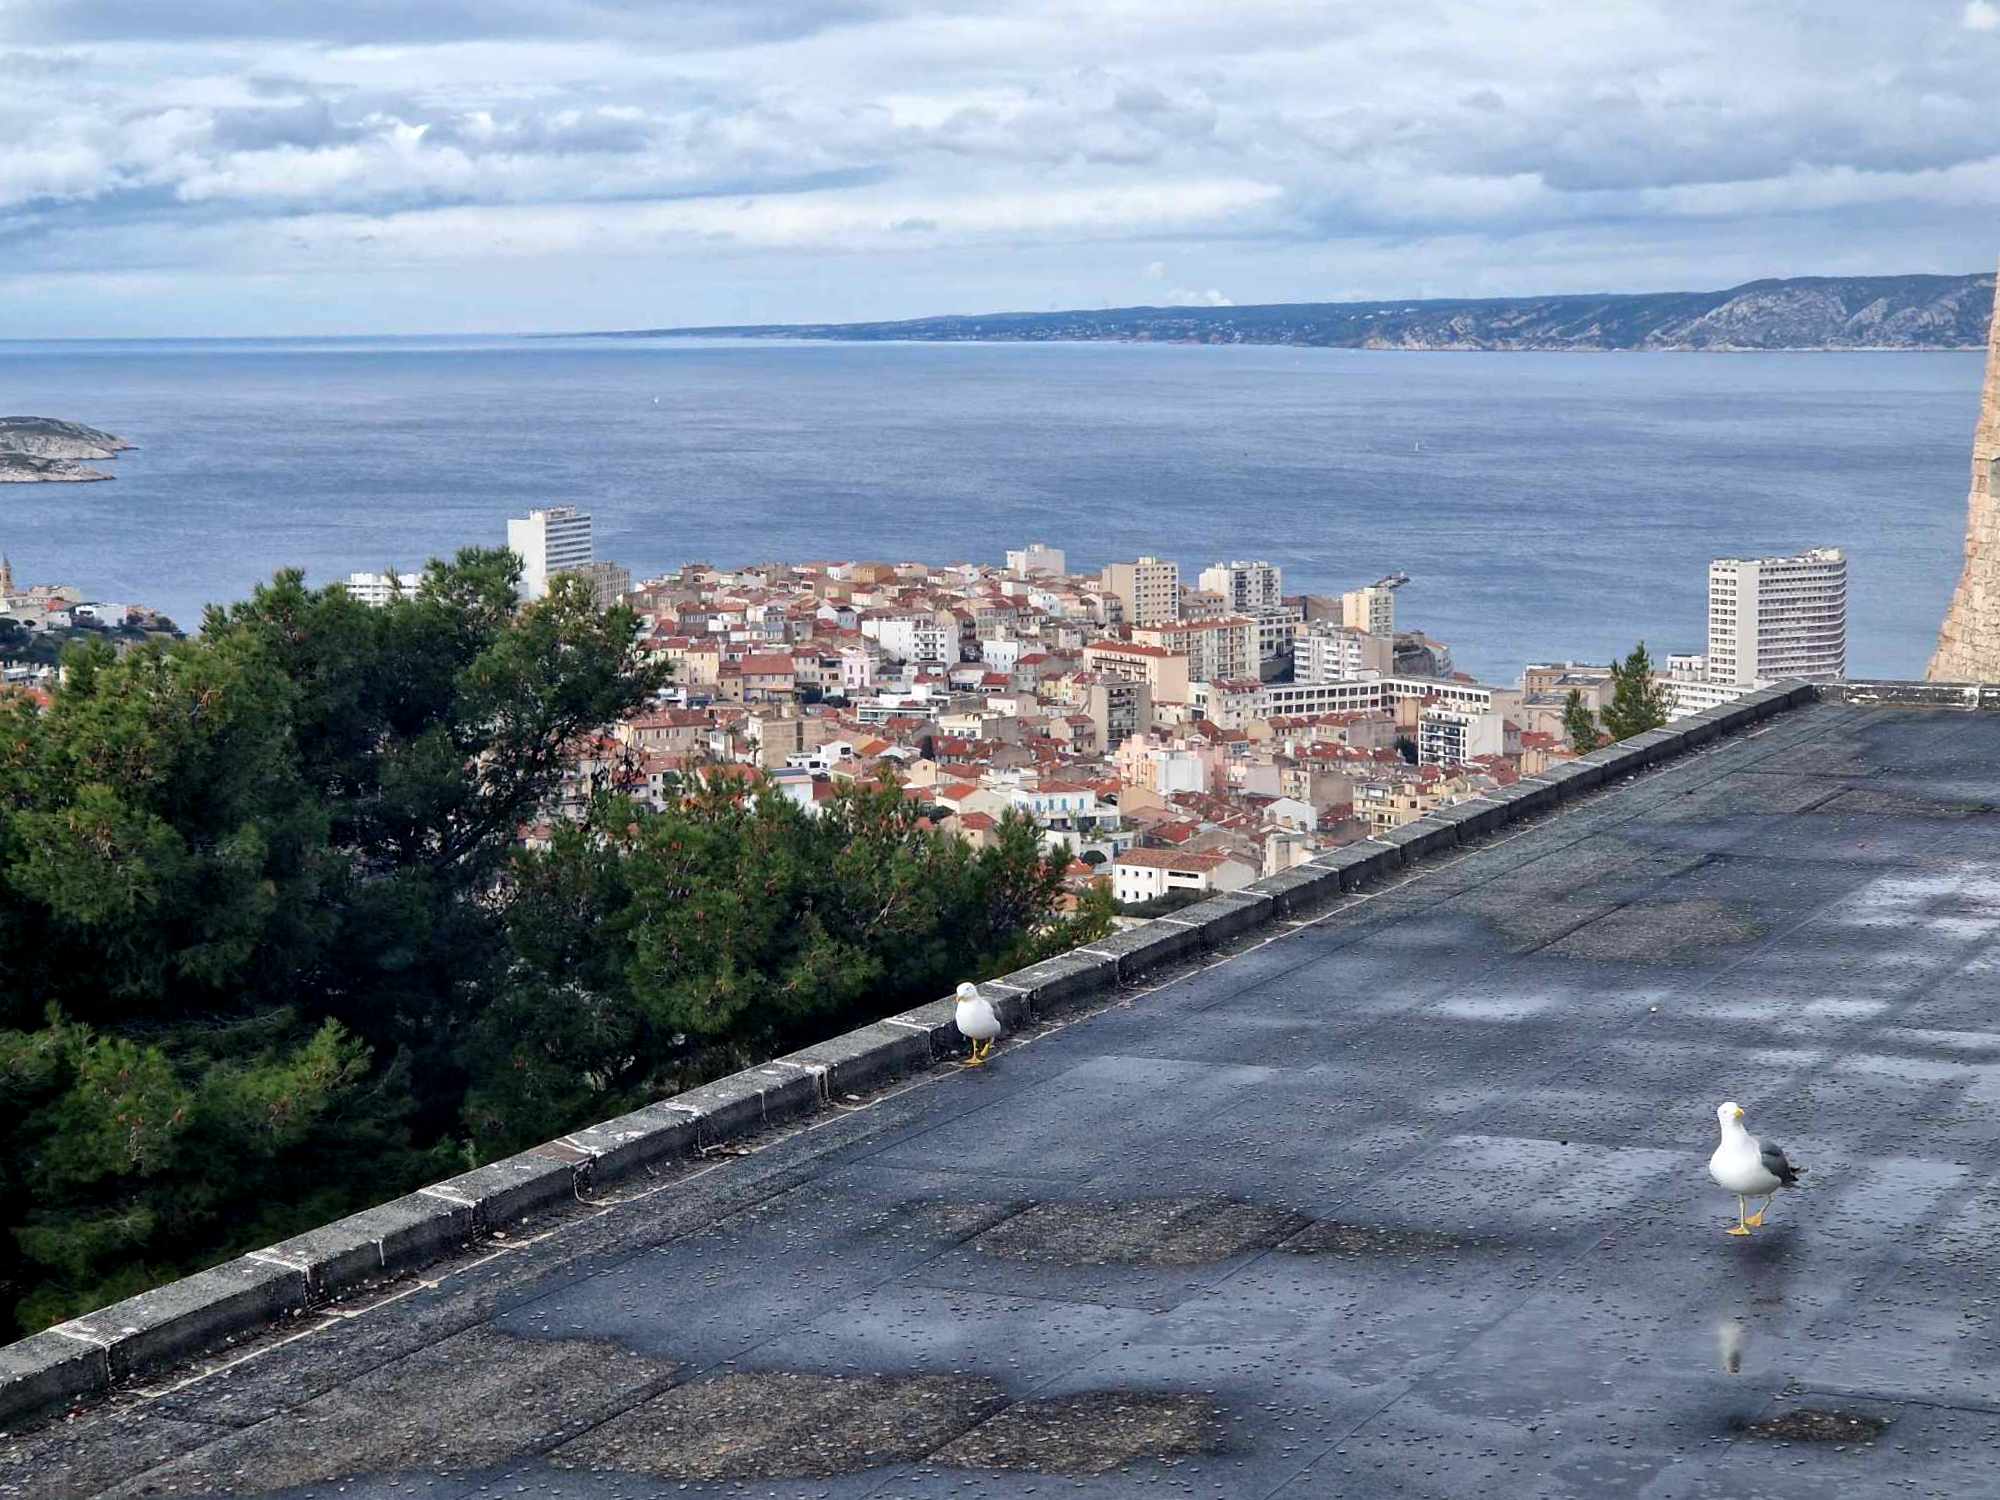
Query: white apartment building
x=378, y=588
x=1002, y=655
x=915, y=638
x=1340, y=653
x=549, y=542
x=1773, y=617
x=1372, y=609
x=1231, y=705
x=1148, y=874
x=1149, y=589
x=1451, y=736
x=1037, y=557
x=1246, y=586
x=1685, y=698
x=1688, y=689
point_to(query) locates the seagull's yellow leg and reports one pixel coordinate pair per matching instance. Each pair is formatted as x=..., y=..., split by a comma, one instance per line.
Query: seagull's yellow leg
x=1756, y=1220
x=1742, y=1224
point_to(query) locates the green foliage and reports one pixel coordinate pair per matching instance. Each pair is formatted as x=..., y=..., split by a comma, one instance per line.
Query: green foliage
x=270, y=949
x=651, y=950
x=1638, y=703
x=1579, y=723
x=248, y=914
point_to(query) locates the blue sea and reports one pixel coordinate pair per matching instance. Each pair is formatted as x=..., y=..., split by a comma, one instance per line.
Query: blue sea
x=1545, y=506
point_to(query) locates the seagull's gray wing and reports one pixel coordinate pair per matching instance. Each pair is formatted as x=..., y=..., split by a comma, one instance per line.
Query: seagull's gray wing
x=1774, y=1162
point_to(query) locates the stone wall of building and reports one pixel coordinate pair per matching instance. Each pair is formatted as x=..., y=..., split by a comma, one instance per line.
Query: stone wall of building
x=1968, y=648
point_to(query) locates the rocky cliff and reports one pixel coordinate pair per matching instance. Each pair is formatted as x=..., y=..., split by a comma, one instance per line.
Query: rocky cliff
x=1968, y=648
x=41, y=449
x=1855, y=312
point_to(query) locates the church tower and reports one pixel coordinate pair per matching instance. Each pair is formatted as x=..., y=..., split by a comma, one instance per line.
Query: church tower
x=6, y=576
x=1968, y=648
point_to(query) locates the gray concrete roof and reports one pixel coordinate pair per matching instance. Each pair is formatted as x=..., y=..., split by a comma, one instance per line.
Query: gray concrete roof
x=1408, y=1201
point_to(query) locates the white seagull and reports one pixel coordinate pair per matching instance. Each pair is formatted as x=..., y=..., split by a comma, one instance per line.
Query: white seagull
x=977, y=1022
x=1748, y=1168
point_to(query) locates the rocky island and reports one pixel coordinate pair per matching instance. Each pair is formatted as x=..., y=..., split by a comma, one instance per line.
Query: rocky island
x=44, y=450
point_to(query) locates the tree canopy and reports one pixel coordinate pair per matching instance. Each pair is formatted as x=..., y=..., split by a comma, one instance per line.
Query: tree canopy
x=1638, y=702
x=1579, y=723
x=272, y=949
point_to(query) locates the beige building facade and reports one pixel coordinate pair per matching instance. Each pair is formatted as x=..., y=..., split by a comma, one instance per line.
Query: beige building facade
x=1164, y=671
x=1149, y=590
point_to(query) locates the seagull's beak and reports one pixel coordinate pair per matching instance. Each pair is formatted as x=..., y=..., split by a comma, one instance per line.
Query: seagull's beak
x=1739, y=1114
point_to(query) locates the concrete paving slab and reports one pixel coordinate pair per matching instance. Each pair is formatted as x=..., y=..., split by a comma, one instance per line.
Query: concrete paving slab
x=472, y=1400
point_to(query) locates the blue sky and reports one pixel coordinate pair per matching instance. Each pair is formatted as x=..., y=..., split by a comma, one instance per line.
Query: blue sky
x=266, y=167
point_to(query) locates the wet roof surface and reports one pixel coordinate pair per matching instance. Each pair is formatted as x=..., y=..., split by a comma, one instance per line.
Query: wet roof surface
x=1412, y=1202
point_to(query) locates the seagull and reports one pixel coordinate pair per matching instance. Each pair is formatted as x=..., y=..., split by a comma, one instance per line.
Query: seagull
x=1748, y=1168
x=977, y=1022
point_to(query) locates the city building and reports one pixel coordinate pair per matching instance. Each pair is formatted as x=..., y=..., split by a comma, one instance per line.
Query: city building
x=1215, y=649
x=1448, y=736
x=1149, y=590
x=1688, y=689
x=608, y=582
x=1545, y=690
x=1246, y=586
x=1372, y=609
x=1117, y=707
x=1396, y=800
x=1340, y=653
x=1037, y=558
x=378, y=588
x=1148, y=874
x=1278, y=627
x=1772, y=617
x=913, y=638
x=1164, y=672
x=549, y=542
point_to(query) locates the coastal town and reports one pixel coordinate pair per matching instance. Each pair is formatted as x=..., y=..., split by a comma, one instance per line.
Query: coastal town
x=1171, y=736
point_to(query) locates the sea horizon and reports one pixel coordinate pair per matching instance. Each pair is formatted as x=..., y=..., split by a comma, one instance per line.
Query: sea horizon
x=1555, y=509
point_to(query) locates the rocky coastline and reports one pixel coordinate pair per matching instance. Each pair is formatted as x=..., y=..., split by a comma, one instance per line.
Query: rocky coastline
x=47, y=450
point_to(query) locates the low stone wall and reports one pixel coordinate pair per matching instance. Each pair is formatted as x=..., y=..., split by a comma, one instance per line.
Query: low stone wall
x=1971, y=696
x=185, y=1318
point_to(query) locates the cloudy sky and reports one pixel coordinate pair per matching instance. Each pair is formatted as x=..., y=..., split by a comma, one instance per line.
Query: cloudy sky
x=264, y=166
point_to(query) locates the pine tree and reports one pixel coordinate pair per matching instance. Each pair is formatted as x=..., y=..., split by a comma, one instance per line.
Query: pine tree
x=250, y=907
x=271, y=951
x=1579, y=724
x=1638, y=703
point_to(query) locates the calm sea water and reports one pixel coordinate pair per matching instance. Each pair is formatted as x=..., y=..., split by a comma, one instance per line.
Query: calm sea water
x=1545, y=505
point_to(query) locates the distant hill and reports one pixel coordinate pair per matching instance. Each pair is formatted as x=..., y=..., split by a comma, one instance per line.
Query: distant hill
x=1810, y=312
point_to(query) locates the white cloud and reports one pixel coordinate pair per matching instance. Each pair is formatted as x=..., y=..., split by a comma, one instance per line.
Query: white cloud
x=1182, y=296
x=1037, y=151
